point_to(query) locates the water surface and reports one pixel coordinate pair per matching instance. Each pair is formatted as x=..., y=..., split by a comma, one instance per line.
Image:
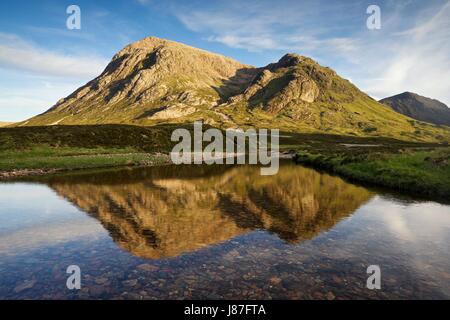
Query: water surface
x=205, y=232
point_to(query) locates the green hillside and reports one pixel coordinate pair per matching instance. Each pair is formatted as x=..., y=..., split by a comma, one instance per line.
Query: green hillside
x=158, y=82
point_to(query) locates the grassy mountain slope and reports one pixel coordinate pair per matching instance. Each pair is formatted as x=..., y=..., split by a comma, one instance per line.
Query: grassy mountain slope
x=150, y=80
x=298, y=94
x=156, y=81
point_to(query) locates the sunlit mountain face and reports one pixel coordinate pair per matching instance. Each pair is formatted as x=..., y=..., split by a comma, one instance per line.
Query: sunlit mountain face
x=110, y=112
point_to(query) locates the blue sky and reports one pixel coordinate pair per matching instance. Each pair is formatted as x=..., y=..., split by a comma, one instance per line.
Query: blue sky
x=42, y=61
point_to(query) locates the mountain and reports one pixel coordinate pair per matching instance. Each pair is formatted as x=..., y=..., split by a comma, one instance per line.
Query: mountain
x=419, y=108
x=4, y=124
x=149, y=80
x=156, y=81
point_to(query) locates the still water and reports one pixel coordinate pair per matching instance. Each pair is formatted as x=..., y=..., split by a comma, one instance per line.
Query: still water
x=208, y=232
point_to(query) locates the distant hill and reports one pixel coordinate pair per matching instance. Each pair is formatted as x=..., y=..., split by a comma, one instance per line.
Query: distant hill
x=156, y=81
x=419, y=108
x=4, y=124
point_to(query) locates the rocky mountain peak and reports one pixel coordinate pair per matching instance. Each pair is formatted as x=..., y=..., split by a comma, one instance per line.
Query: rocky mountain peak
x=289, y=60
x=154, y=81
x=159, y=74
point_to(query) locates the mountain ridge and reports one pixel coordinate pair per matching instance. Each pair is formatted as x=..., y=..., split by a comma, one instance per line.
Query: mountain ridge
x=6, y=123
x=419, y=107
x=157, y=81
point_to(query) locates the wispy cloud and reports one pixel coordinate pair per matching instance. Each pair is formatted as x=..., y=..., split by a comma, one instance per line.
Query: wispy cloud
x=416, y=59
x=261, y=25
x=251, y=43
x=410, y=53
x=32, y=79
x=18, y=54
x=23, y=95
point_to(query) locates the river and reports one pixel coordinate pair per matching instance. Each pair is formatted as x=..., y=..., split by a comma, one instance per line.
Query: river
x=218, y=232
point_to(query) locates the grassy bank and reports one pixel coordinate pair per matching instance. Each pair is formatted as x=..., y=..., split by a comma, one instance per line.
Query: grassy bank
x=39, y=150
x=141, y=139
x=43, y=160
x=419, y=170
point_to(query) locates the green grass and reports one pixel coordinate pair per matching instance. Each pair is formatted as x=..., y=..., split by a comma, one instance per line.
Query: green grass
x=142, y=139
x=50, y=148
x=74, y=158
x=413, y=167
x=422, y=171
x=409, y=167
x=82, y=147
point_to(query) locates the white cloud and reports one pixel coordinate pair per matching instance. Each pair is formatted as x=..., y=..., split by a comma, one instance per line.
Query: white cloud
x=252, y=43
x=32, y=79
x=416, y=59
x=409, y=221
x=18, y=54
x=29, y=95
x=262, y=25
x=411, y=52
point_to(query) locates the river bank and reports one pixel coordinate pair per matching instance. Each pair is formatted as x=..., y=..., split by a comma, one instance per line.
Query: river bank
x=33, y=163
x=422, y=171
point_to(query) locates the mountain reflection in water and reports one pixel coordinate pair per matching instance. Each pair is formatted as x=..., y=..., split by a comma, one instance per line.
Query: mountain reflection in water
x=166, y=211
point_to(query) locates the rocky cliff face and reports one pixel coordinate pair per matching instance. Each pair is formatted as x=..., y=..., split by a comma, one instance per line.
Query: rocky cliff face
x=419, y=108
x=280, y=84
x=156, y=81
